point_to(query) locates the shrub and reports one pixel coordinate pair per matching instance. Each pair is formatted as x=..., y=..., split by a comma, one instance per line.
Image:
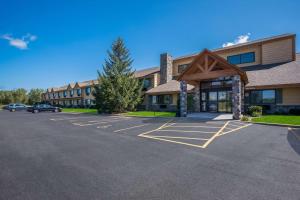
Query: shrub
x=294, y=111
x=255, y=111
x=245, y=118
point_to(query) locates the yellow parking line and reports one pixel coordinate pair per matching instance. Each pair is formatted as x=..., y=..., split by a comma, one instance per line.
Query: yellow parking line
x=182, y=131
x=235, y=125
x=142, y=134
x=198, y=126
x=224, y=133
x=215, y=135
x=130, y=128
x=165, y=136
x=188, y=144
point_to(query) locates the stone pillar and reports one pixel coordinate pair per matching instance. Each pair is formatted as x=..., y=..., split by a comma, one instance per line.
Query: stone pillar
x=197, y=98
x=236, y=96
x=166, y=68
x=183, y=99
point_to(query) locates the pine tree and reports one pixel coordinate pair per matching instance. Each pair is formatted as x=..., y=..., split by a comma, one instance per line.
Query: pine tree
x=118, y=90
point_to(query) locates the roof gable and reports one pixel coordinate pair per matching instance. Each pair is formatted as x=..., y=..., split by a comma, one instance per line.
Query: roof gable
x=208, y=65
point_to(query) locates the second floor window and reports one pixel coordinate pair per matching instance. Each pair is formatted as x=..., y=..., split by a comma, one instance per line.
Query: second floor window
x=71, y=93
x=241, y=58
x=146, y=83
x=181, y=68
x=78, y=92
x=88, y=90
x=65, y=93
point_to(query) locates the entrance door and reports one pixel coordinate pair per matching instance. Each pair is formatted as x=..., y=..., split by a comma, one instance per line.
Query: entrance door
x=216, y=101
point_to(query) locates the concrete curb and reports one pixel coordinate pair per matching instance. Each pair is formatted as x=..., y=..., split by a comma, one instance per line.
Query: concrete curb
x=274, y=124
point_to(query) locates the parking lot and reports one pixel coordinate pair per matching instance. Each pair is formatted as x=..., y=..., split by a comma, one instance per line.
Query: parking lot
x=79, y=156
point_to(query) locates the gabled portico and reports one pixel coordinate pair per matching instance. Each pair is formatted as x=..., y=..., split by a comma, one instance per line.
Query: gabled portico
x=219, y=85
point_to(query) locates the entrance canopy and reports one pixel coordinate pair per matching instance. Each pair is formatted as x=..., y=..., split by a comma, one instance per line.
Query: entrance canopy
x=208, y=65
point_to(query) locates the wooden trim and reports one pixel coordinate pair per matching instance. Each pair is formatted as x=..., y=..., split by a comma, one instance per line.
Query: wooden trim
x=212, y=65
x=209, y=75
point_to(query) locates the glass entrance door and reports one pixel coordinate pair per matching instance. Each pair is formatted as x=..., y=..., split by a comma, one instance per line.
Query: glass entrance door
x=216, y=101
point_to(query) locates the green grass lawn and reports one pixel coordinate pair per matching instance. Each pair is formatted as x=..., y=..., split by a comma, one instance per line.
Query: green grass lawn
x=278, y=119
x=151, y=114
x=80, y=110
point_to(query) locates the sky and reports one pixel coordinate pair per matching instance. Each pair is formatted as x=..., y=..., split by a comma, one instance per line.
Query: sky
x=52, y=43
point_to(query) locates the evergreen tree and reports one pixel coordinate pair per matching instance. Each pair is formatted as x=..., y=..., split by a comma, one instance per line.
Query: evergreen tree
x=118, y=90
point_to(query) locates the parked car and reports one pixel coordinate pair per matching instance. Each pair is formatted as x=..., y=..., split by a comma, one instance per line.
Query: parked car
x=12, y=107
x=43, y=108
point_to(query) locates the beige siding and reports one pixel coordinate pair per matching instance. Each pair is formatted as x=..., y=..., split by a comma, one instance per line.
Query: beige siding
x=291, y=96
x=174, y=99
x=180, y=62
x=278, y=51
x=255, y=48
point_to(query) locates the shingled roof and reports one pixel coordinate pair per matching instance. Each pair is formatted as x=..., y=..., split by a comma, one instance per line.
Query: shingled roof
x=172, y=86
x=274, y=75
x=146, y=72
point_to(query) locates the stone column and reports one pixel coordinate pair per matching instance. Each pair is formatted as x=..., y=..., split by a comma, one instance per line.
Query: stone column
x=197, y=98
x=166, y=68
x=183, y=99
x=236, y=96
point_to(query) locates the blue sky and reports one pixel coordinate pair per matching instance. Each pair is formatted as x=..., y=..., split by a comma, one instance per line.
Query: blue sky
x=52, y=43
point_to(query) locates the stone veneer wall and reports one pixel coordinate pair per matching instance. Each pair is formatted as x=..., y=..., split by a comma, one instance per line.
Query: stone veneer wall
x=166, y=68
x=197, y=98
x=183, y=99
x=236, y=96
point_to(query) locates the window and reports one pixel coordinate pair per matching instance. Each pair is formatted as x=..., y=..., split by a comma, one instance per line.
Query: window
x=241, y=58
x=88, y=90
x=181, y=68
x=268, y=96
x=71, y=93
x=263, y=96
x=65, y=93
x=147, y=83
x=78, y=92
x=164, y=99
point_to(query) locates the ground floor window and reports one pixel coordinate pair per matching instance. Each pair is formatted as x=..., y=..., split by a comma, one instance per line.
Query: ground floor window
x=258, y=97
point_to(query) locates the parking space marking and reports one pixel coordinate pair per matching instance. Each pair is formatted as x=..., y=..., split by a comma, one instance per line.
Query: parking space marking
x=198, y=126
x=183, y=131
x=224, y=133
x=221, y=130
x=98, y=122
x=132, y=127
x=189, y=138
x=215, y=135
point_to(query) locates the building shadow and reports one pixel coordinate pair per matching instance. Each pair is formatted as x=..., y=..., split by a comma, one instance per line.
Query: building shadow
x=293, y=138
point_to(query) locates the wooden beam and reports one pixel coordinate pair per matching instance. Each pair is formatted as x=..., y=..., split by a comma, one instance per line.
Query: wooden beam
x=212, y=65
x=206, y=62
x=200, y=67
x=208, y=75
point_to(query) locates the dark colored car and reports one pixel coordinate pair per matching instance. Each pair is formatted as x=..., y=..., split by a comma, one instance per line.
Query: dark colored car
x=12, y=107
x=43, y=108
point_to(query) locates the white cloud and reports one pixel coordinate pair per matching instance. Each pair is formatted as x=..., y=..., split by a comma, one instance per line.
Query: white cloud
x=20, y=43
x=240, y=39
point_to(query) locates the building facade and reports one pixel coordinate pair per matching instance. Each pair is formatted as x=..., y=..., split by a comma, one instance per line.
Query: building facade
x=77, y=94
x=263, y=72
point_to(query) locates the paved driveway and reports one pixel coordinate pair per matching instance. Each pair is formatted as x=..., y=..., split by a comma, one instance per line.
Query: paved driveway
x=69, y=156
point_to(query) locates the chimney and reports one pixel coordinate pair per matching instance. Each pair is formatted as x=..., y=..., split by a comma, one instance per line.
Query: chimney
x=166, y=68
